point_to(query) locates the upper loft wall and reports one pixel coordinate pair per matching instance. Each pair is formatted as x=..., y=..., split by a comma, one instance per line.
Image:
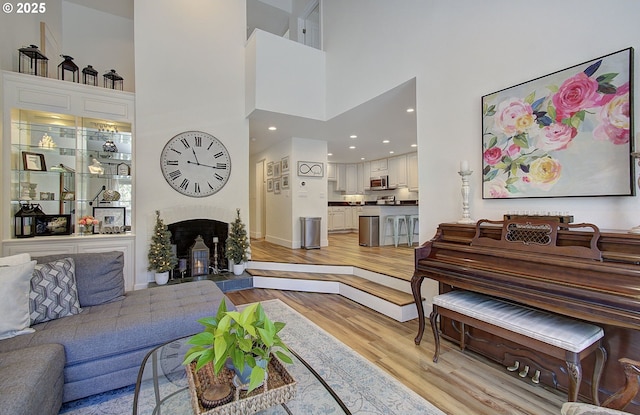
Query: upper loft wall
x=100, y=39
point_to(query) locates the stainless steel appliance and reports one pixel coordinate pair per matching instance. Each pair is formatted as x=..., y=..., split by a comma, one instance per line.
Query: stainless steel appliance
x=369, y=231
x=310, y=230
x=379, y=183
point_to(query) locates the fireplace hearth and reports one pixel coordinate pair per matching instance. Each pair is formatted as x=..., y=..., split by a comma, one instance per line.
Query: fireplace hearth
x=184, y=234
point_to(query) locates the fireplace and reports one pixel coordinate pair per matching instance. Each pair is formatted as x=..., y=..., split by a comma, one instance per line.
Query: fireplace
x=184, y=234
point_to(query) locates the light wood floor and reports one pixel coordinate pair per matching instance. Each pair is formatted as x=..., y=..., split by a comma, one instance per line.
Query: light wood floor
x=459, y=384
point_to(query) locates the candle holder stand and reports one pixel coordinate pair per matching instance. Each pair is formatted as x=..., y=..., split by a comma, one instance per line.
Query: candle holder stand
x=466, y=214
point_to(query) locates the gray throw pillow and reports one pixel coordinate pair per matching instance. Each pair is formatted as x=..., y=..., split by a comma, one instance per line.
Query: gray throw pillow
x=99, y=275
x=53, y=291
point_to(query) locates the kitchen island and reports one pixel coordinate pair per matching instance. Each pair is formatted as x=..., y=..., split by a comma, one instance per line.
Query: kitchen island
x=385, y=210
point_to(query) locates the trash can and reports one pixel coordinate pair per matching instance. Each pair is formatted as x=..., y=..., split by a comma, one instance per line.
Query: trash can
x=310, y=229
x=369, y=231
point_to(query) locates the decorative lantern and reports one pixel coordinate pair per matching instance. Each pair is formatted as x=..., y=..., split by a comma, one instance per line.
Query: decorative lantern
x=67, y=70
x=199, y=257
x=25, y=220
x=90, y=76
x=33, y=62
x=112, y=80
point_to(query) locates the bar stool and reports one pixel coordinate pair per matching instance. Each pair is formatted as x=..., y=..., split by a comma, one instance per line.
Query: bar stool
x=412, y=221
x=396, y=222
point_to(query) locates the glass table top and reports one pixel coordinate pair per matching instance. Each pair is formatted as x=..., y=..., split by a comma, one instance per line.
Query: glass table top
x=163, y=388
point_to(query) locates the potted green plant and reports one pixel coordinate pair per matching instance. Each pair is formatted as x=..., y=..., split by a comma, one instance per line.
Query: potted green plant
x=161, y=257
x=247, y=338
x=237, y=244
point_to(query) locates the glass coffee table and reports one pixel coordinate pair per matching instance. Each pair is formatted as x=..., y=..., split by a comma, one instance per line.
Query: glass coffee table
x=162, y=386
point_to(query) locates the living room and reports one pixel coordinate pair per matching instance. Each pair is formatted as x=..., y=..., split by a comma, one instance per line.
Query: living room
x=457, y=52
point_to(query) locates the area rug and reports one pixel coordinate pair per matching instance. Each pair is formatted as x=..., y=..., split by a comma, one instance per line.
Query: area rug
x=362, y=386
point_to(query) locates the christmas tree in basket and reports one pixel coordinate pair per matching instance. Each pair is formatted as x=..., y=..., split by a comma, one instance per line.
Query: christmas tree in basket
x=237, y=244
x=161, y=257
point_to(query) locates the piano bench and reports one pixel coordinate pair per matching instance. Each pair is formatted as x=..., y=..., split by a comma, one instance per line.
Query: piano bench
x=552, y=334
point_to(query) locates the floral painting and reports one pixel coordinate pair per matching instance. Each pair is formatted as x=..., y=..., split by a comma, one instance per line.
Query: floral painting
x=565, y=134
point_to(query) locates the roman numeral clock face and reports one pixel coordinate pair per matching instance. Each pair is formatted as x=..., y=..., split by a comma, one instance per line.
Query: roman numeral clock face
x=195, y=164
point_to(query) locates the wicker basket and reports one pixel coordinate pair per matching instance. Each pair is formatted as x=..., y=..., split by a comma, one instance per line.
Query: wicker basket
x=279, y=388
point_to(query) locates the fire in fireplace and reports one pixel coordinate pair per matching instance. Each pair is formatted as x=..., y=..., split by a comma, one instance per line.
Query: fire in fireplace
x=184, y=236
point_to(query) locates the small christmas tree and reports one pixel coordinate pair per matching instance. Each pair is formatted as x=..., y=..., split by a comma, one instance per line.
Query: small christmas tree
x=161, y=257
x=237, y=242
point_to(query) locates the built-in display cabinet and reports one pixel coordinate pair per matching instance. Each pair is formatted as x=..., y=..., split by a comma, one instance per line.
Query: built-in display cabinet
x=67, y=149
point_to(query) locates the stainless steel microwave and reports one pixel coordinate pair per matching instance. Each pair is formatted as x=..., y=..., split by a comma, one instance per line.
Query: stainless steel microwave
x=379, y=183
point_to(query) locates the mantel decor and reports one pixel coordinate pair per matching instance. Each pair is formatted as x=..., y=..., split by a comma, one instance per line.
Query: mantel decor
x=564, y=134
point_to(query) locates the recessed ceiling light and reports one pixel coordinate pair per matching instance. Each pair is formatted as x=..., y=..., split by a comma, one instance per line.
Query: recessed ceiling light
x=385, y=141
x=329, y=154
x=352, y=147
x=272, y=128
x=362, y=158
x=414, y=145
x=353, y=136
x=410, y=110
x=391, y=152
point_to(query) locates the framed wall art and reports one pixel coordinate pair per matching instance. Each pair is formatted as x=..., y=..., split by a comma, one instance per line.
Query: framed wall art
x=310, y=169
x=568, y=133
x=269, y=185
x=270, y=168
x=285, y=181
x=113, y=217
x=276, y=186
x=285, y=164
x=276, y=169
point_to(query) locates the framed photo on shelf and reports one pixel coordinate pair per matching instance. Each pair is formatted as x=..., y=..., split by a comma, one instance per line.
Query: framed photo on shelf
x=285, y=181
x=113, y=217
x=33, y=161
x=285, y=164
x=68, y=196
x=565, y=134
x=269, y=185
x=49, y=225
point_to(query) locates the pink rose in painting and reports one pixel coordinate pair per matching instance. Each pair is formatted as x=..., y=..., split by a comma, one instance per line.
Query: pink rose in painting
x=556, y=137
x=496, y=189
x=614, y=118
x=513, y=116
x=576, y=93
x=492, y=156
x=544, y=172
x=513, y=150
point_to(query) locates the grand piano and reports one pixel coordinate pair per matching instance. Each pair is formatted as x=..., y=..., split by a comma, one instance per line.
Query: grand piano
x=575, y=270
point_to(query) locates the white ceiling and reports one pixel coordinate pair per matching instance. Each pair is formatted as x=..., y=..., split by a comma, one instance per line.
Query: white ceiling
x=381, y=118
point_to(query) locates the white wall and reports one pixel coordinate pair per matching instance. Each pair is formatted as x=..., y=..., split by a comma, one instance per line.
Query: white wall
x=460, y=50
x=99, y=39
x=190, y=76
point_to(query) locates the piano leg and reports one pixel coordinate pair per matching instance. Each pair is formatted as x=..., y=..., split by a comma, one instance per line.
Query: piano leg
x=574, y=370
x=416, y=284
x=433, y=318
x=601, y=358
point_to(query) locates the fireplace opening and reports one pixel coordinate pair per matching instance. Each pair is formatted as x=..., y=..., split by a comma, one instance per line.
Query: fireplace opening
x=183, y=236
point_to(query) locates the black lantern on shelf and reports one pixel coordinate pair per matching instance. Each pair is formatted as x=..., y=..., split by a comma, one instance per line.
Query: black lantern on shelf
x=67, y=70
x=25, y=220
x=199, y=257
x=112, y=80
x=31, y=61
x=90, y=76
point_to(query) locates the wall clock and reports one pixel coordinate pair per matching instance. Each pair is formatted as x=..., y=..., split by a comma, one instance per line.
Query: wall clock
x=195, y=163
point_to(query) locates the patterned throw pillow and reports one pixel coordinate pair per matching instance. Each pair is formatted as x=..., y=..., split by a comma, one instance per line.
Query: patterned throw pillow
x=53, y=291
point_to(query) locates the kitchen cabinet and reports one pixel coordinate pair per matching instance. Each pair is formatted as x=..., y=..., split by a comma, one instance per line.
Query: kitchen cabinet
x=412, y=172
x=397, y=167
x=351, y=179
x=336, y=215
x=379, y=168
x=348, y=217
x=341, y=177
x=68, y=148
x=366, y=175
x=360, y=178
x=331, y=172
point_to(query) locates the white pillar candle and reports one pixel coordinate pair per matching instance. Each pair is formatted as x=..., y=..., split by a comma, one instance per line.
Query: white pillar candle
x=215, y=239
x=464, y=165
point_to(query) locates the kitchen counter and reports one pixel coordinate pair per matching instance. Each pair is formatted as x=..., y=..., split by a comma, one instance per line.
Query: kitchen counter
x=374, y=203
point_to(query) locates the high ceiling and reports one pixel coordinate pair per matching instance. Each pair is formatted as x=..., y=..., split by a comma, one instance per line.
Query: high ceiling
x=382, y=118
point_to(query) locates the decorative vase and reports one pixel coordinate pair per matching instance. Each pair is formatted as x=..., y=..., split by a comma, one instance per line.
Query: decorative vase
x=238, y=269
x=242, y=378
x=162, y=277
x=87, y=229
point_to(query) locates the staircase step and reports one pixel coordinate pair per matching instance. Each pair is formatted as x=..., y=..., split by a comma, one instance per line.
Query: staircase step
x=396, y=297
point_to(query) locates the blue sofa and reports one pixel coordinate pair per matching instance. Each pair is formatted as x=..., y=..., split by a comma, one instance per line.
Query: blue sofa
x=101, y=347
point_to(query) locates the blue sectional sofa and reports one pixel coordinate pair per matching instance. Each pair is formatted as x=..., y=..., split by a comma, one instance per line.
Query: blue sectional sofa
x=101, y=341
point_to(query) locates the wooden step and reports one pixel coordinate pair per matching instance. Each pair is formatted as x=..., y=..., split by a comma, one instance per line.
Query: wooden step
x=389, y=301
